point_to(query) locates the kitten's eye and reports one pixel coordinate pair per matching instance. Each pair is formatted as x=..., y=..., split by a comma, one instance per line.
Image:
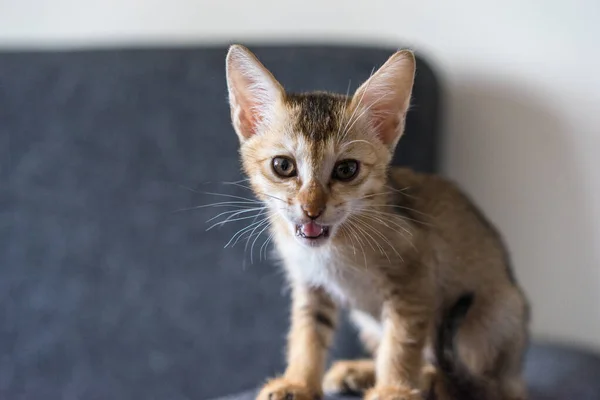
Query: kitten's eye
x=284, y=167
x=345, y=170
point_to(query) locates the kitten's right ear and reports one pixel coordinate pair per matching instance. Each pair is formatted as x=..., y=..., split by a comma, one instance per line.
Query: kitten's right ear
x=253, y=92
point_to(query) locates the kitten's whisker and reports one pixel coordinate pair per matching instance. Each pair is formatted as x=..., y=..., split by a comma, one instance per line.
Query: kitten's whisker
x=233, y=204
x=406, y=218
x=249, y=188
x=369, y=215
x=254, y=242
x=188, y=188
x=385, y=239
x=406, y=208
x=273, y=197
x=241, y=232
x=396, y=215
x=357, y=141
x=229, y=219
x=371, y=195
x=249, y=234
x=358, y=236
x=365, y=233
x=235, y=212
x=359, y=240
x=265, y=244
x=265, y=220
x=401, y=191
x=361, y=225
x=236, y=184
x=385, y=223
x=346, y=235
x=232, y=196
x=377, y=214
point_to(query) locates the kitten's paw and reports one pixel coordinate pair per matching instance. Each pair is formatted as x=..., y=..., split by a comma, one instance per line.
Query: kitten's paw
x=351, y=376
x=282, y=389
x=393, y=393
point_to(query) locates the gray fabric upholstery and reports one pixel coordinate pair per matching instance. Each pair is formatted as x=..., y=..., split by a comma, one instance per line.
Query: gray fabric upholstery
x=552, y=373
x=106, y=292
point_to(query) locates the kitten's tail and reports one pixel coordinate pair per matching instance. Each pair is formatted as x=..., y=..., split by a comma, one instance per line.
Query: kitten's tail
x=453, y=380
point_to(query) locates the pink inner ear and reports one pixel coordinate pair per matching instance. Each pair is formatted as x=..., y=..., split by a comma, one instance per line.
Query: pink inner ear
x=387, y=127
x=248, y=123
x=253, y=101
x=249, y=118
x=385, y=106
x=385, y=115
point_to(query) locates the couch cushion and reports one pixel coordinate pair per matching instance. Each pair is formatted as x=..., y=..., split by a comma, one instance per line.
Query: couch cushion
x=552, y=373
x=107, y=293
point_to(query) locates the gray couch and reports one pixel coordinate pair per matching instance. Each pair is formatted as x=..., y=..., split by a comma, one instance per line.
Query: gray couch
x=109, y=293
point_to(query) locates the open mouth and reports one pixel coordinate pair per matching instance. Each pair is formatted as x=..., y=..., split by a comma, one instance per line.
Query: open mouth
x=312, y=231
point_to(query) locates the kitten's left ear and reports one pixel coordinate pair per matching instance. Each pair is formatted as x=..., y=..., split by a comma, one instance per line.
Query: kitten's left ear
x=253, y=92
x=387, y=96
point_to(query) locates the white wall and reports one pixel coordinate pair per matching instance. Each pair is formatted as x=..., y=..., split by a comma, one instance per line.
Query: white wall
x=523, y=106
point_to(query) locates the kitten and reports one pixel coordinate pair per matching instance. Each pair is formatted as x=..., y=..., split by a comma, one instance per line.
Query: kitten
x=395, y=246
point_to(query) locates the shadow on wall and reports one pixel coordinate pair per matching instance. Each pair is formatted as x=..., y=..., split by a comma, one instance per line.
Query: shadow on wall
x=518, y=160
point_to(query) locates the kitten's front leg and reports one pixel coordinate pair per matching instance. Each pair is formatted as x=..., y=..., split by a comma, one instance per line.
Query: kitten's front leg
x=399, y=359
x=313, y=321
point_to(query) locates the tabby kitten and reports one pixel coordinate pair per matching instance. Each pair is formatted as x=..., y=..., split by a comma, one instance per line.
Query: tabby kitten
x=397, y=247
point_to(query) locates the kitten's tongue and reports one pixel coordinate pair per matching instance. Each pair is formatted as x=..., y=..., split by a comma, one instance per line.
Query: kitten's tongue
x=311, y=229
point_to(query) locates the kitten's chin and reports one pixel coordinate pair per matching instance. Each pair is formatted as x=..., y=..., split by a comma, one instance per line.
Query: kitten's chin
x=312, y=234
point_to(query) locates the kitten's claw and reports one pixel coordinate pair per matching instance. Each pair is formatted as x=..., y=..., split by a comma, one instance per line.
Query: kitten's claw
x=282, y=389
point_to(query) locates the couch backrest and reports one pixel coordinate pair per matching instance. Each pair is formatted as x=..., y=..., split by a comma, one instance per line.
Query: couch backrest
x=107, y=293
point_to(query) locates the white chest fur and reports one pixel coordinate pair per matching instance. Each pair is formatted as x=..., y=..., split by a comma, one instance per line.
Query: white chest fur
x=346, y=279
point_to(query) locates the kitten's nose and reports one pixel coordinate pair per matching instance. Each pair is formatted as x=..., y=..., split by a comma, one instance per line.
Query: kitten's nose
x=313, y=211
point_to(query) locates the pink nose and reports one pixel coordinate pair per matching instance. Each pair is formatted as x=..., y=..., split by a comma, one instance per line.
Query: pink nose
x=312, y=211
